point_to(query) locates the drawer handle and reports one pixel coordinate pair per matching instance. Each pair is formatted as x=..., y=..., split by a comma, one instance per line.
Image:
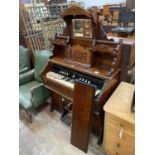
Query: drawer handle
x=121, y=131
x=118, y=145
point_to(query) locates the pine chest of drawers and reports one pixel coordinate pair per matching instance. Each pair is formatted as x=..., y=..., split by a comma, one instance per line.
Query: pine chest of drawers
x=119, y=128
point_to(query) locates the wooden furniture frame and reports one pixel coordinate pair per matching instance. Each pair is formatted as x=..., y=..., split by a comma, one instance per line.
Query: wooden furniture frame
x=101, y=59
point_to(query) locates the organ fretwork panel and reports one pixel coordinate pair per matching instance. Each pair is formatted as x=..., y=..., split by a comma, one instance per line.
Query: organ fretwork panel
x=84, y=54
x=78, y=55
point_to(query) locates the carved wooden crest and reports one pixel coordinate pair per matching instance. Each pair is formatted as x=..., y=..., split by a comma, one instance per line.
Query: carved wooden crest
x=75, y=11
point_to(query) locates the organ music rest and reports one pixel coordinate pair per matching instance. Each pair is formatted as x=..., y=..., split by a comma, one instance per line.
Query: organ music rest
x=83, y=53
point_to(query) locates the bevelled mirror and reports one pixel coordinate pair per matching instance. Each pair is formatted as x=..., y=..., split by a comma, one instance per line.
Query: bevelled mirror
x=82, y=28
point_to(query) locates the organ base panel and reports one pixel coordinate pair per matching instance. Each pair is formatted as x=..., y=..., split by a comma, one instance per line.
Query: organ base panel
x=61, y=80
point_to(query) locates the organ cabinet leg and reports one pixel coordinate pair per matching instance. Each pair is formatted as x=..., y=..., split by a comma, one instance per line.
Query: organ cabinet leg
x=56, y=102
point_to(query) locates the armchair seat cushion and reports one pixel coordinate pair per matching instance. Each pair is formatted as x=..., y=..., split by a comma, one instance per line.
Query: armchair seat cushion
x=25, y=94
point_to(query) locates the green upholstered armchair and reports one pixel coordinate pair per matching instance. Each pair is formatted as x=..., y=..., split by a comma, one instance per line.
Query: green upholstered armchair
x=24, y=60
x=32, y=93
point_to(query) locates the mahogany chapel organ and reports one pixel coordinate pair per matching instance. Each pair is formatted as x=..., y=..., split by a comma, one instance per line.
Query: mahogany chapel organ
x=83, y=53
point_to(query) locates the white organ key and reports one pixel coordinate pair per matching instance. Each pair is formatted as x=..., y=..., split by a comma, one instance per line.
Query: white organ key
x=58, y=78
x=54, y=75
x=97, y=92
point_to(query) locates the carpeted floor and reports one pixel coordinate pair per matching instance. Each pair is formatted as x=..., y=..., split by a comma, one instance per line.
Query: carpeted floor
x=48, y=135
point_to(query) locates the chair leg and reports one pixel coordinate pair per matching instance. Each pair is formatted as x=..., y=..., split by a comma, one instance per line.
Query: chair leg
x=29, y=115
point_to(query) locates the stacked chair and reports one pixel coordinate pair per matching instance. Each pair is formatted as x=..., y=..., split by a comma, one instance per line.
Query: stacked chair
x=126, y=18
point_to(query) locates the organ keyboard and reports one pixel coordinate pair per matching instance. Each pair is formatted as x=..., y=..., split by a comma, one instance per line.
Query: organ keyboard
x=65, y=78
x=68, y=77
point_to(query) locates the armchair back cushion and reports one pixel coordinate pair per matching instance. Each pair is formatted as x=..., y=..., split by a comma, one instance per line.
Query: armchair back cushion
x=41, y=59
x=24, y=60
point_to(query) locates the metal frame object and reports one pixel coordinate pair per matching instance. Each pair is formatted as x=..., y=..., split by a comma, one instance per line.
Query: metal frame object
x=40, y=25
